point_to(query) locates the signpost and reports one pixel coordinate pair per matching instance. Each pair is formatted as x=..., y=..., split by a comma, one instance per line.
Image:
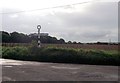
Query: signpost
x=39, y=43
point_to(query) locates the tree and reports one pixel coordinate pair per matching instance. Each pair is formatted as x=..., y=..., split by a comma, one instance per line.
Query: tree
x=0, y=36
x=69, y=42
x=24, y=38
x=79, y=43
x=61, y=41
x=74, y=42
x=54, y=40
x=15, y=37
x=5, y=37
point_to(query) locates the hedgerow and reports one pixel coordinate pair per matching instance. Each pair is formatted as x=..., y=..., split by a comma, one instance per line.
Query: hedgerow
x=61, y=55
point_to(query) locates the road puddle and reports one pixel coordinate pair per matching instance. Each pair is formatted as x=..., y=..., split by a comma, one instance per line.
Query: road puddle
x=7, y=66
x=58, y=67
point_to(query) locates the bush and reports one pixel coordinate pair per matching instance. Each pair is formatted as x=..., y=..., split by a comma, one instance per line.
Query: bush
x=64, y=55
x=15, y=52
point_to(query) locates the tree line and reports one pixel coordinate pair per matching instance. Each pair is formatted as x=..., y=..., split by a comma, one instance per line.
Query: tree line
x=16, y=37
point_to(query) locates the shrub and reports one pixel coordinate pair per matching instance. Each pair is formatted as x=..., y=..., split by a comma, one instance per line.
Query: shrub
x=15, y=52
x=64, y=55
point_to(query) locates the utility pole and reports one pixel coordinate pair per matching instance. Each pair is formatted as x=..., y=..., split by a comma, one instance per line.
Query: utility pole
x=39, y=43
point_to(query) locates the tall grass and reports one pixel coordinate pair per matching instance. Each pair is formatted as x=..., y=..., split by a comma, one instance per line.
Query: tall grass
x=62, y=55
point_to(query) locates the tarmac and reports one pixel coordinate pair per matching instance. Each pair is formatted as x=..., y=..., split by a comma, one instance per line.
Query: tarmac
x=15, y=70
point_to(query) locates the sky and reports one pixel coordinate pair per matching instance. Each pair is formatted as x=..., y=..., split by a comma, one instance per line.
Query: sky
x=72, y=20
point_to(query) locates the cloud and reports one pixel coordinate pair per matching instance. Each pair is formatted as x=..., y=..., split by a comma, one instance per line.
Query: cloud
x=98, y=22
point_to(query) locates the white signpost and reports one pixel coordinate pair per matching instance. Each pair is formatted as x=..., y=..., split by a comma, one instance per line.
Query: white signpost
x=39, y=43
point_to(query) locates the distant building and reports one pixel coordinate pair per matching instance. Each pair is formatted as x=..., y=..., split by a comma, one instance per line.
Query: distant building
x=36, y=34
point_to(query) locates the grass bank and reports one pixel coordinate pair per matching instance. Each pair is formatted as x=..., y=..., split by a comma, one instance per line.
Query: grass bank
x=61, y=55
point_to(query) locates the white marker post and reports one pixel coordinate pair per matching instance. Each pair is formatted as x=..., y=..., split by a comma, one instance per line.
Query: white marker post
x=39, y=43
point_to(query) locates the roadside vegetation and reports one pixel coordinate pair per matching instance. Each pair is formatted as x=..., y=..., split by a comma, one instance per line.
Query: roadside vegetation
x=21, y=46
x=61, y=55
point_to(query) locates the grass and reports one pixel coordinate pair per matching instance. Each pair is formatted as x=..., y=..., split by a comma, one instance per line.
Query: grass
x=61, y=55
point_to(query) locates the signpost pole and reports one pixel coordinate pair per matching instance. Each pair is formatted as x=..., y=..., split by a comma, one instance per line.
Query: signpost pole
x=39, y=43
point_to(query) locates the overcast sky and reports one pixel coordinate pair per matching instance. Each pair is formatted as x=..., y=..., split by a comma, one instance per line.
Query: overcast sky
x=96, y=20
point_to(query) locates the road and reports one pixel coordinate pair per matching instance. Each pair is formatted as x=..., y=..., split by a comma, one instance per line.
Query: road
x=14, y=70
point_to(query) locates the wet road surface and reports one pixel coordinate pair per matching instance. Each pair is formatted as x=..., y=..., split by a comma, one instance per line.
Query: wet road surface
x=14, y=70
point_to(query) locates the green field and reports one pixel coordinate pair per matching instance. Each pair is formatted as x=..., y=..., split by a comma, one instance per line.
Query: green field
x=62, y=55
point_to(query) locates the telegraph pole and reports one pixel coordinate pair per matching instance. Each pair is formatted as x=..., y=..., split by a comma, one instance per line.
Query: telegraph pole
x=39, y=43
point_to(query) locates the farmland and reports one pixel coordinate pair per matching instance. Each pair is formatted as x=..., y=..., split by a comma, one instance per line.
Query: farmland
x=63, y=53
x=78, y=46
